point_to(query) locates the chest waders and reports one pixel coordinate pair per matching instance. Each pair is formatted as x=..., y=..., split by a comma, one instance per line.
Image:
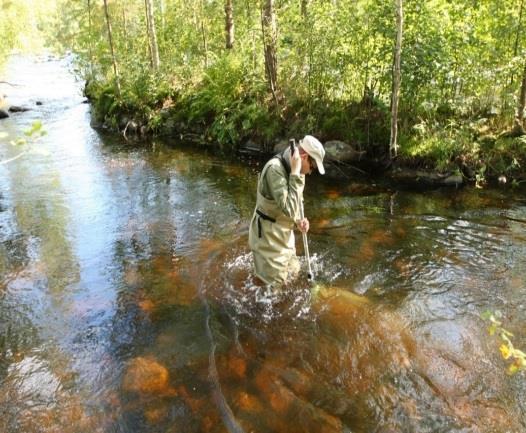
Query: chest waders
x=271, y=238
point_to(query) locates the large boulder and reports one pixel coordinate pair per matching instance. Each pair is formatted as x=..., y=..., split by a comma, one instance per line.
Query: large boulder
x=339, y=151
x=280, y=146
x=250, y=147
x=3, y=113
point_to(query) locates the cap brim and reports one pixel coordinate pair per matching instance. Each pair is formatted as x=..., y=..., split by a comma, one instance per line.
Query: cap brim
x=319, y=165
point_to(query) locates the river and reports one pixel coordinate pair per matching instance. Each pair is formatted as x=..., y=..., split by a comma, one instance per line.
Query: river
x=126, y=302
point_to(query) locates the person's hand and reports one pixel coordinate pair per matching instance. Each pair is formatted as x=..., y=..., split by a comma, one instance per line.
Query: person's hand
x=295, y=162
x=303, y=225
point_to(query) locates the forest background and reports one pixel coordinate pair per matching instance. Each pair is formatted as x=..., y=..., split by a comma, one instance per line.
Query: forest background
x=230, y=72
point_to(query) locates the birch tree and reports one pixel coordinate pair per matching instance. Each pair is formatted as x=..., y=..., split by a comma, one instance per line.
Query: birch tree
x=204, y=33
x=152, y=35
x=518, y=127
x=393, y=145
x=113, y=57
x=269, y=27
x=304, y=8
x=90, y=41
x=229, y=24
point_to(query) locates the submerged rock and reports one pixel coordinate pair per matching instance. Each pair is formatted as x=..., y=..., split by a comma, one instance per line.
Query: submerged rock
x=147, y=376
x=451, y=358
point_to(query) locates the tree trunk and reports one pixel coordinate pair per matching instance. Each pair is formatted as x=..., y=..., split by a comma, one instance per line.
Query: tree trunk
x=517, y=39
x=90, y=41
x=250, y=21
x=304, y=8
x=203, y=33
x=393, y=145
x=268, y=23
x=519, y=31
x=150, y=53
x=152, y=35
x=229, y=24
x=518, y=128
x=113, y=58
x=163, y=19
x=125, y=24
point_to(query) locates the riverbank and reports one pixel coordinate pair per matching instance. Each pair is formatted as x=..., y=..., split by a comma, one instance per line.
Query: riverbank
x=235, y=117
x=229, y=115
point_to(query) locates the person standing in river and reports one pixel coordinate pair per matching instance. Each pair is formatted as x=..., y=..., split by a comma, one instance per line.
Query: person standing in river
x=279, y=200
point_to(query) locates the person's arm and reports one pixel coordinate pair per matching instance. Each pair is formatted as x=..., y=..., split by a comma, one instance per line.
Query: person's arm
x=287, y=193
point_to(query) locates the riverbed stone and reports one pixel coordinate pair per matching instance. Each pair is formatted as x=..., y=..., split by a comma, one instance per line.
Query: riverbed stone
x=147, y=376
x=3, y=113
x=289, y=412
x=452, y=357
x=247, y=402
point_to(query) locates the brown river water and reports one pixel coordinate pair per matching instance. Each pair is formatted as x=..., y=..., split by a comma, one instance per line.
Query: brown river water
x=126, y=302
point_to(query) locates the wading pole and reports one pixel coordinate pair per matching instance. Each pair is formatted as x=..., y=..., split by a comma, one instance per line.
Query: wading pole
x=292, y=144
x=306, y=245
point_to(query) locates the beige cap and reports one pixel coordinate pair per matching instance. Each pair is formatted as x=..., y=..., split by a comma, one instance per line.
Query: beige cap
x=315, y=149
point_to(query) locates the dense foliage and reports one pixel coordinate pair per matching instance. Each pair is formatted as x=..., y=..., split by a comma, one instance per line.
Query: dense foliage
x=462, y=67
x=23, y=24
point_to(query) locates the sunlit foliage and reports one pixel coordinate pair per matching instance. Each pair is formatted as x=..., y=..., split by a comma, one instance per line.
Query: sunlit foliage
x=23, y=24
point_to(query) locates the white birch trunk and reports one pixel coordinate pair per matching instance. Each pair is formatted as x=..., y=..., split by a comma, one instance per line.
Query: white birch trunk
x=229, y=24
x=152, y=35
x=393, y=145
x=113, y=57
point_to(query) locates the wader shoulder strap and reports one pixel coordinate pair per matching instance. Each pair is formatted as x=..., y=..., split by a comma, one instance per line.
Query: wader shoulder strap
x=265, y=217
x=281, y=158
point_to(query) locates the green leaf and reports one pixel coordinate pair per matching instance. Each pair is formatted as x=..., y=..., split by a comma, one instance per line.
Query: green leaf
x=486, y=315
x=19, y=141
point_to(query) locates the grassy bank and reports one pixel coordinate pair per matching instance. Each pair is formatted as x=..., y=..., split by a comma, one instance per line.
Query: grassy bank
x=226, y=110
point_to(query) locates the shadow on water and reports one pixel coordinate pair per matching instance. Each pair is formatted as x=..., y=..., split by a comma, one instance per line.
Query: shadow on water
x=127, y=303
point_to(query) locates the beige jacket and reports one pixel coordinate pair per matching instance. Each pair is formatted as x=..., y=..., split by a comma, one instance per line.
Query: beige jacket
x=271, y=236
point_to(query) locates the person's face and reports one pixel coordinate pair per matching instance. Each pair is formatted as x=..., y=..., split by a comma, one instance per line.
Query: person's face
x=308, y=165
